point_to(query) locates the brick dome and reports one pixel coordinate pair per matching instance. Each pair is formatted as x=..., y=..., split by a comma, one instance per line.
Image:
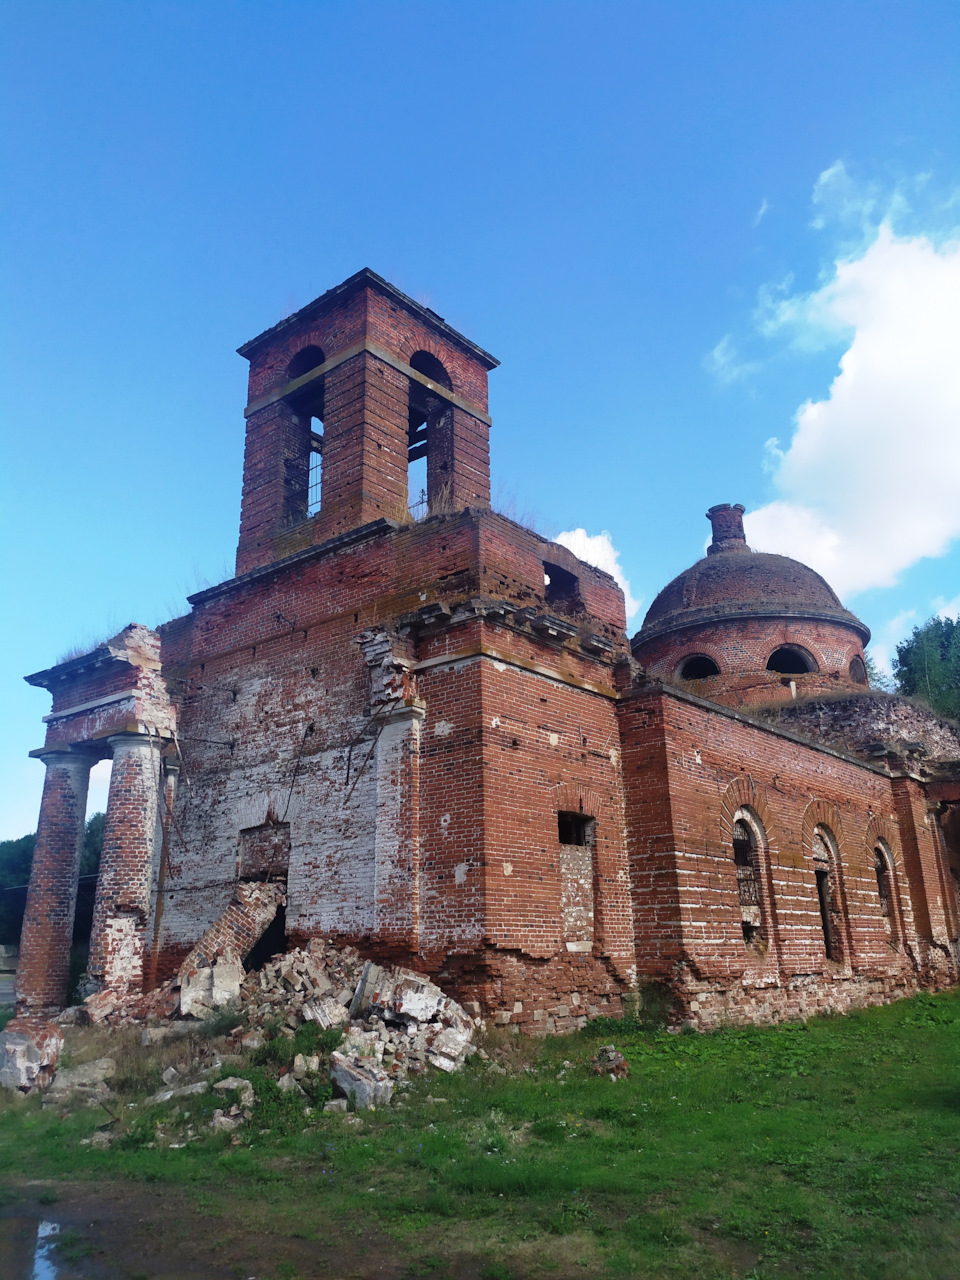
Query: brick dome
x=733, y=582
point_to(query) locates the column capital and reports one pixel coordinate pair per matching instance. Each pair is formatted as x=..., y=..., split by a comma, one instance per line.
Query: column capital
x=131, y=739
x=64, y=756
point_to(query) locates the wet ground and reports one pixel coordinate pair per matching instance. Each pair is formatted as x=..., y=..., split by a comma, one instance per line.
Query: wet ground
x=89, y=1231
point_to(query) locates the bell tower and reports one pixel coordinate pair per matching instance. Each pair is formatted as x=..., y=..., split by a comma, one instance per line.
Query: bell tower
x=343, y=396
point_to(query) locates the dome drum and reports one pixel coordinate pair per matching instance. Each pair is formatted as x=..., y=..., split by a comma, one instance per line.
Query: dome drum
x=742, y=626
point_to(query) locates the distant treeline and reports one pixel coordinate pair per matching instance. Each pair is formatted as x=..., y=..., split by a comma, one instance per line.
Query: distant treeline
x=16, y=859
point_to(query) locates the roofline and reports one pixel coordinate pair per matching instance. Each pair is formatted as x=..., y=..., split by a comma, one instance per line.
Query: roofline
x=736, y=713
x=703, y=618
x=360, y=279
x=60, y=670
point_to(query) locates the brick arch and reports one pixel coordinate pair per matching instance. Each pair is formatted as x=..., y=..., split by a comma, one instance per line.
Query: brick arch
x=744, y=793
x=410, y=346
x=574, y=798
x=312, y=338
x=880, y=830
x=711, y=649
x=821, y=813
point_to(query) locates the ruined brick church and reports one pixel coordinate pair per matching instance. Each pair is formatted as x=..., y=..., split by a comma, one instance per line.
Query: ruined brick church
x=426, y=733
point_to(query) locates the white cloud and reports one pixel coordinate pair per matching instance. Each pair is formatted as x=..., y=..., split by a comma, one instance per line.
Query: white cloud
x=725, y=363
x=870, y=481
x=947, y=608
x=598, y=550
x=761, y=212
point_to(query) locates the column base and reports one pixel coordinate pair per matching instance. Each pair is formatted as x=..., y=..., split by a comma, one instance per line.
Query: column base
x=30, y=1049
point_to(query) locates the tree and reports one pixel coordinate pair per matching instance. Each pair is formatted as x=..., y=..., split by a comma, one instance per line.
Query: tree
x=927, y=665
x=877, y=678
x=16, y=859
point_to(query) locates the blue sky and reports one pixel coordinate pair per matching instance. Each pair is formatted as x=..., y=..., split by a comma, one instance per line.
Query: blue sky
x=688, y=230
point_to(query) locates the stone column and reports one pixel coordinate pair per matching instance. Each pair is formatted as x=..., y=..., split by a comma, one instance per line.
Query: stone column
x=44, y=967
x=126, y=864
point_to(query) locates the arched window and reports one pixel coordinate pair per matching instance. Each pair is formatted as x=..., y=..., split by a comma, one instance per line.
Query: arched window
x=698, y=667
x=426, y=414
x=307, y=401
x=747, y=841
x=306, y=359
x=791, y=660
x=828, y=898
x=885, y=891
x=858, y=672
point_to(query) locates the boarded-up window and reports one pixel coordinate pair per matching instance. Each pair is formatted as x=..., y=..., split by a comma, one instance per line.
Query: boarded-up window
x=265, y=851
x=577, y=835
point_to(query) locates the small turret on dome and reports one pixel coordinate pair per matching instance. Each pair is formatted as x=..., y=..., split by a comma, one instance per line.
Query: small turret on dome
x=743, y=626
x=727, y=522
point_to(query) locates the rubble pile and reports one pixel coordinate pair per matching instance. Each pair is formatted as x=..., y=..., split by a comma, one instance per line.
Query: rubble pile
x=396, y=1022
x=608, y=1062
x=400, y=1023
x=315, y=983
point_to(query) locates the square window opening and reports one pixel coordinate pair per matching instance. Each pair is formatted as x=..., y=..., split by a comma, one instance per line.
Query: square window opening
x=576, y=828
x=561, y=588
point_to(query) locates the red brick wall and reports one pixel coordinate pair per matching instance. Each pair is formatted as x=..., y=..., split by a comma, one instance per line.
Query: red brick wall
x=470, y=799
x=687, y=770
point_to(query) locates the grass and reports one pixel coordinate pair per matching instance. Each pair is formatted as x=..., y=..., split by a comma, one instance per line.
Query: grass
x=817, y=1150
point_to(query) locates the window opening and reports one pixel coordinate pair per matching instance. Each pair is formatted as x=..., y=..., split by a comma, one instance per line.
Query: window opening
x=699, y=667
x=315, y=482
x=858, y=672
x=417, y=485
x=426, y=411
x=309, y=358
x=306, y=470
x=748, y=882
x=884, y=888
x=265, y=852
x=790, y=661
x=827, y=894
x=575, y=828
x=561, y=588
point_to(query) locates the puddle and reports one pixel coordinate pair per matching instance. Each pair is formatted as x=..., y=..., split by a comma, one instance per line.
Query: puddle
x=44, y=1267
x=28, y=1249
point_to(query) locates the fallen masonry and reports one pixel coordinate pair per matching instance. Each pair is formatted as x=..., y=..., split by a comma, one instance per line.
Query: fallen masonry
x=395, y=1022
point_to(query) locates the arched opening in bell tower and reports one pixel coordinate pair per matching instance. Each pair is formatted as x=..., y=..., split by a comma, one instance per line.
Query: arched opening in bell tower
x=307, y=401
x=428, y=417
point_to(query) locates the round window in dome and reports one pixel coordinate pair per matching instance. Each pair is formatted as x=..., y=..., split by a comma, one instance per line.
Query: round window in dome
x=698, y=667
x=791, y=660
